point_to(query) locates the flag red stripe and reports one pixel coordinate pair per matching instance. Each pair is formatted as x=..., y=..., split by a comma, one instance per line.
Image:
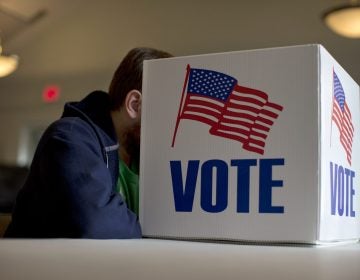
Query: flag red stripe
x=346, y=132
x=207, y=111
x=239, y=107
x=275, y=106
x=337, y=115
x=347, y=118
x=269, y=113
x=198, y=118
x=264, y=120
x=347, y=127
x=235, y=129
x=346, y=147
x=204, y=104
x=239, y=116
x=258, y=134
x=256, y=142
x=228, y=135
x=251, y=91
x=348, y=123
x=253, y=149
x=233, y=121
x=336, y=122
x=346, y=141
x=246, y=99
x=261, y=127
x=347, y=110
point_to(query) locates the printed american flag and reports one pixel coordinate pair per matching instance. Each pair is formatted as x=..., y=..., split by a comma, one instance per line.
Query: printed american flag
x=341, y=116
x=232, y=111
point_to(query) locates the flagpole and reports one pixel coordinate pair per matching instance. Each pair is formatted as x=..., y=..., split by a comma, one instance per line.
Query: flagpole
x=181, y=104
x=332, y=108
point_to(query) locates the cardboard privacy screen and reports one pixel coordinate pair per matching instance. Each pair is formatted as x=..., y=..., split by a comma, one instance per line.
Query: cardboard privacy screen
x=258, y=145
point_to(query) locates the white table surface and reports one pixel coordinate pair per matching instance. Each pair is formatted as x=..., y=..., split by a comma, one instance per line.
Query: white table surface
x=165, y=259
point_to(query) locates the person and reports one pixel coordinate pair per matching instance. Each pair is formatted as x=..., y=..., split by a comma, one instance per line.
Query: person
x=74, y=189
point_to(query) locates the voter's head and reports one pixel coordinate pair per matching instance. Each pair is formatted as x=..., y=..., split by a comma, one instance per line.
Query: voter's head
x=128, y=75
x=125, y=99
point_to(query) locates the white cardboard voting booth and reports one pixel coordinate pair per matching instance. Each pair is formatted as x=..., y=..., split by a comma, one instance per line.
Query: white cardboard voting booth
x=258, y=145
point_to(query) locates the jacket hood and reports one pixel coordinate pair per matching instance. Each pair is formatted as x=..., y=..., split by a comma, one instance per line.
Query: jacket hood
x=94, y=109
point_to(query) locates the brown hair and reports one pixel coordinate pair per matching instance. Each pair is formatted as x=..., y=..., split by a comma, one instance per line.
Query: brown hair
x=128, y=75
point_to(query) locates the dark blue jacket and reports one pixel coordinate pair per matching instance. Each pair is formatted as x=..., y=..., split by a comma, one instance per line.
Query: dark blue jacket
x=70, y=190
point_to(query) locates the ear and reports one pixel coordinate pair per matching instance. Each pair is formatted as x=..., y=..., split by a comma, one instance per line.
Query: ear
x=133, y=104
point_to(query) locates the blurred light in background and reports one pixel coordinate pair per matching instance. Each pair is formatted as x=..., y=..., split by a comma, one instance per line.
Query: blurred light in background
x=8, y=63
x=51, y=94
x=344, y=20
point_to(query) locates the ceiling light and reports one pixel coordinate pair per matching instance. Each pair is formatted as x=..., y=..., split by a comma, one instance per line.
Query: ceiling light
x=344, y=20
x=8, y=63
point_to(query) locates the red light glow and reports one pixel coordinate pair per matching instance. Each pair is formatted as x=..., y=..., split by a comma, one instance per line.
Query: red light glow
x=51, y=94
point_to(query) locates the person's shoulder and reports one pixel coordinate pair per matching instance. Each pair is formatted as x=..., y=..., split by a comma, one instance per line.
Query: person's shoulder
x=70, y=127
